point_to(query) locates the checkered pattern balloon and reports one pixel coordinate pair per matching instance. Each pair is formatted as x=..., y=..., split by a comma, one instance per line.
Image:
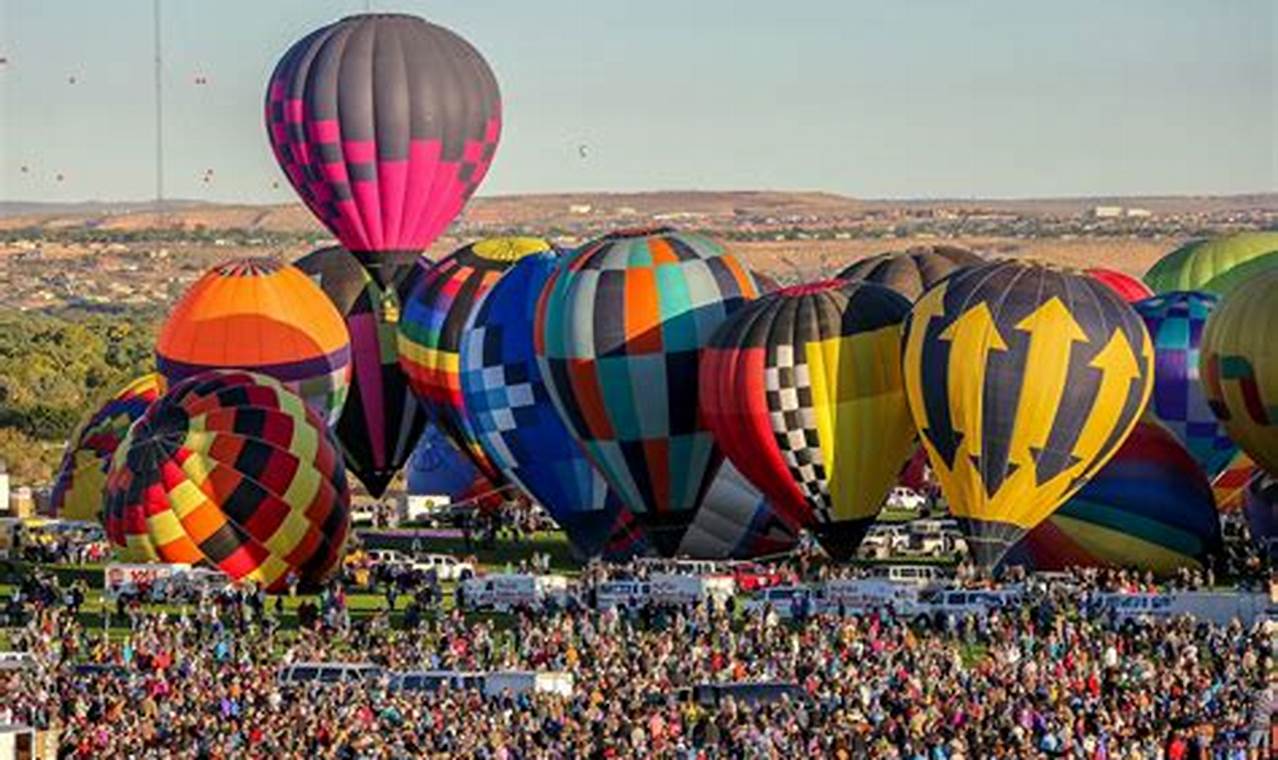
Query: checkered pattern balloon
x=233, y=470
x=619, y=328
x=803, y=391
x=385, y=124
x=80, y=482
x=1175, y=322
x=509, y=408
x=431, y=328
x=266, y=317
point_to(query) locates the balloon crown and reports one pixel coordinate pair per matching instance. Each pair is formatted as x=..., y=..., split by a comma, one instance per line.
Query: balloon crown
x=509, y=248
x=255, y=267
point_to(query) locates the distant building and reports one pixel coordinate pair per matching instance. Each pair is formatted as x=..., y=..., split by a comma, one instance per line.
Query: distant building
x=1107, y=212
x=580, y=208
x=1139, y=213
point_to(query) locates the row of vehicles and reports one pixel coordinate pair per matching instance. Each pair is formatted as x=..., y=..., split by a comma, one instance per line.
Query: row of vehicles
x=515, y=683
x=915, y=600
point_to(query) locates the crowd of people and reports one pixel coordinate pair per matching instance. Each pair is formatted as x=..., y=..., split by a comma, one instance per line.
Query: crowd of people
x=1043, y=680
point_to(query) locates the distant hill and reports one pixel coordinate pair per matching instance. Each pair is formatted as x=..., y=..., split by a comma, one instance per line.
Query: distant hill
x=520, y=209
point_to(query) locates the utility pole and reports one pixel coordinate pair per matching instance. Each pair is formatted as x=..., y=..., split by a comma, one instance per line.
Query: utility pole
x=159, y=115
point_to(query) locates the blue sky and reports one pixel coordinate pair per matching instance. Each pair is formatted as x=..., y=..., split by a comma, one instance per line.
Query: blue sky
x=914, y=98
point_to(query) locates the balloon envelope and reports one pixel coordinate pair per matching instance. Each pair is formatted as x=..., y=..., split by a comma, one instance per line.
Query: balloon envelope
x=1127, y=287
x=619, y=328
x=232, y=469
x=1230, y=485
x=1215, y=264
x=431, y=328
x=1023, y=381
x=802, y=389
x=1239, y=367
x=262, y=316
x=508, y=407
x=737, y=522
x=381, y=419
x=913, y=271
x=1149, y=508
x=1261, y=510
x=437, y=468
x=385, y=124
x=1175, y=322
x=80, y=483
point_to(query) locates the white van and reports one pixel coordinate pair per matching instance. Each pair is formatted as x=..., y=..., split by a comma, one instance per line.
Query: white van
x=626, y=594
x=961, y=602
x=301, y=673
x=502, y=593
x=516, y=682
x=783, y=600
x=666, y=588
x=17, y=661
x=435, y=680
x=862, y=595
x=1219, y=607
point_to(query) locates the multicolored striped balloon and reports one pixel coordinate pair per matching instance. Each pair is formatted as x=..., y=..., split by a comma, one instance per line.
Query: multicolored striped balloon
x=431, y=328
x=508, y=407
x=1230, y=485
x=381, y=420
x=618, y=333
x=1176, y=322
x=233, y=469
x=385, y=124
x=1239, y=366
x=802, y=389
x=266, y=317
x=80, y=483
x=1149, y=508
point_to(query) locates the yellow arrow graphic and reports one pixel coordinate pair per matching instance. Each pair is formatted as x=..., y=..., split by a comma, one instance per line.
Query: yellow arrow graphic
x=972, y=337
x=1119, y=367
x=927, y=309
x=1052, y=332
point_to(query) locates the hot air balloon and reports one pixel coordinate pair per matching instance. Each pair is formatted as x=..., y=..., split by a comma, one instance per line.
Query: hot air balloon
x=437, y=468
x=1127, y=287
x=1149, y=508
x=1175, y=322
x=802, y=389
x=263, y=316
x=1023, y=381
x=382, y=419
x=507, y=406
x=912, y=271
x=737, y=522
x=431, y=325
x=80, y=483
x=1215, y=264
x=1239, y=366
x=1261, y=510
x=385, y=124
x=233, y=469
x=1230, y=486
x=618, y=331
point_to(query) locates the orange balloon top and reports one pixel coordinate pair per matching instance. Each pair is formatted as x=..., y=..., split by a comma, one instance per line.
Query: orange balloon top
x=250, y=313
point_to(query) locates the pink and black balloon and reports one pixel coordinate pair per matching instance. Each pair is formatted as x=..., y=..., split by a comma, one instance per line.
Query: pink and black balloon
x=385, y=125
